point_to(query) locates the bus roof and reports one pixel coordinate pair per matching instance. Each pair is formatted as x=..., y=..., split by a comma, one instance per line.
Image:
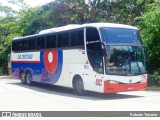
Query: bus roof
x=76, y=26
x=111, y=25
x=63, y=28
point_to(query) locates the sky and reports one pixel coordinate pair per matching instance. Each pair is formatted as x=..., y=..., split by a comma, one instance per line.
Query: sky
x=31, y=3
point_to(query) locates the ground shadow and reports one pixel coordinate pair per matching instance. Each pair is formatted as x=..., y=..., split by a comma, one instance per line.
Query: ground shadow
x=62, y=91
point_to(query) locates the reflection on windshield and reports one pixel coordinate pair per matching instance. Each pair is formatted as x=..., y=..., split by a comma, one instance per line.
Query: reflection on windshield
x=125, y=60
x=120, y=36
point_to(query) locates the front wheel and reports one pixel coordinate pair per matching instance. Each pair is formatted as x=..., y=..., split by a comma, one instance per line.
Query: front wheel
x=28, y=79
x=78, y=87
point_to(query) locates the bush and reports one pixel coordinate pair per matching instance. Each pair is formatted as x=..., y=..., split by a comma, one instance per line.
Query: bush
x=3, y=70
x=154, y=79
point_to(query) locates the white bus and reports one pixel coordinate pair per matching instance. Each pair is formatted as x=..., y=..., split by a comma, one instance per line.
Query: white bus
x=99, y=57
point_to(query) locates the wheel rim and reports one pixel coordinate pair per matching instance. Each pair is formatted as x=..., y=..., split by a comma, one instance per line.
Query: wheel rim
x=79, y=87
x=28, y=79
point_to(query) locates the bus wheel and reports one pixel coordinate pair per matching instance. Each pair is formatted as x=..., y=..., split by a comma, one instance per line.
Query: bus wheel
x=22, y=77
x=78, y=87
x=28, y=79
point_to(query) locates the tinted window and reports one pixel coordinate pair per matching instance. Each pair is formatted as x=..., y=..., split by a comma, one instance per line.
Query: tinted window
x=63, y=40
x=40, y=43
x=18, y=45
x=92, y=34
x=73, y=39
x=51, y=41
x=60, y=40
x=80, y=38
x=77, y=38
x=24, y=45
x=14, y=46
x=31, y=44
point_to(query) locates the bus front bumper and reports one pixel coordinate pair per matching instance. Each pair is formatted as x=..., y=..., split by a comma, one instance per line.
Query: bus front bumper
x=114, y=88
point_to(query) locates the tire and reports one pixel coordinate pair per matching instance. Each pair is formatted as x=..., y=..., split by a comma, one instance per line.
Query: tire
x=22, y=77
x=78, y=87
x=28, y=79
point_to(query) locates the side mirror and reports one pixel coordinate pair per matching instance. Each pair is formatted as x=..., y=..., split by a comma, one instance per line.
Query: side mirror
x=103, y=46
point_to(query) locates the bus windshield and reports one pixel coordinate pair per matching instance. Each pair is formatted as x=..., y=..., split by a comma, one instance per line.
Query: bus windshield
x=121, y=36
x=125, y=60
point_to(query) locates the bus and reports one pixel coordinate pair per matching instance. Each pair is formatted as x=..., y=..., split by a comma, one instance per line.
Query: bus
x=98, y=57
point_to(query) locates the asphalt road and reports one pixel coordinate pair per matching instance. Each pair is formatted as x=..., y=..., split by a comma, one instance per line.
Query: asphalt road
x=40, y=97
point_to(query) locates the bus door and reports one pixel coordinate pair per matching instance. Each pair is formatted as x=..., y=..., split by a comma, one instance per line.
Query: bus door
x=98, y=69
x=95, y=58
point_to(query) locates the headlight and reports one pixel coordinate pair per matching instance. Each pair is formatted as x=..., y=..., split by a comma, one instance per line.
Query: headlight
x=143, y=80
x=112, y=82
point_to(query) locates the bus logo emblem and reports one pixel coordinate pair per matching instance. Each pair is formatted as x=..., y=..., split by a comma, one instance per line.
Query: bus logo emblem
x=98, y=82
x=51, y=60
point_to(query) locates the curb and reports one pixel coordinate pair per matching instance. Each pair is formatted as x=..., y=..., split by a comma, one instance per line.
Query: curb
x=153, y=88
x=6, y=77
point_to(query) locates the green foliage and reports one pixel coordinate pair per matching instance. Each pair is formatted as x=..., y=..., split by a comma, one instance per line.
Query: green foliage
x=3, y=70
x=8, y=30
x=155, y=78
x=150, y=32
x=31, y=21
x=63, y=12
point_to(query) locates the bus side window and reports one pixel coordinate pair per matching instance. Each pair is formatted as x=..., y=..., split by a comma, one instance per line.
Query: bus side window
x=92, y=34
x=80, y=36
x=73, y=39
x=31, y=44
x=65, y=39
x=18, y=45
x=40, y=43
x=24, y=45
x=51, y=41
x=60, y=40
x=77, y=38
x=14, y=45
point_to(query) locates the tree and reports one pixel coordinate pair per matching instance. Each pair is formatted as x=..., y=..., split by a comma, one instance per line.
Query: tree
x=63, y=12
x=8, y=28
x=150, y=32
